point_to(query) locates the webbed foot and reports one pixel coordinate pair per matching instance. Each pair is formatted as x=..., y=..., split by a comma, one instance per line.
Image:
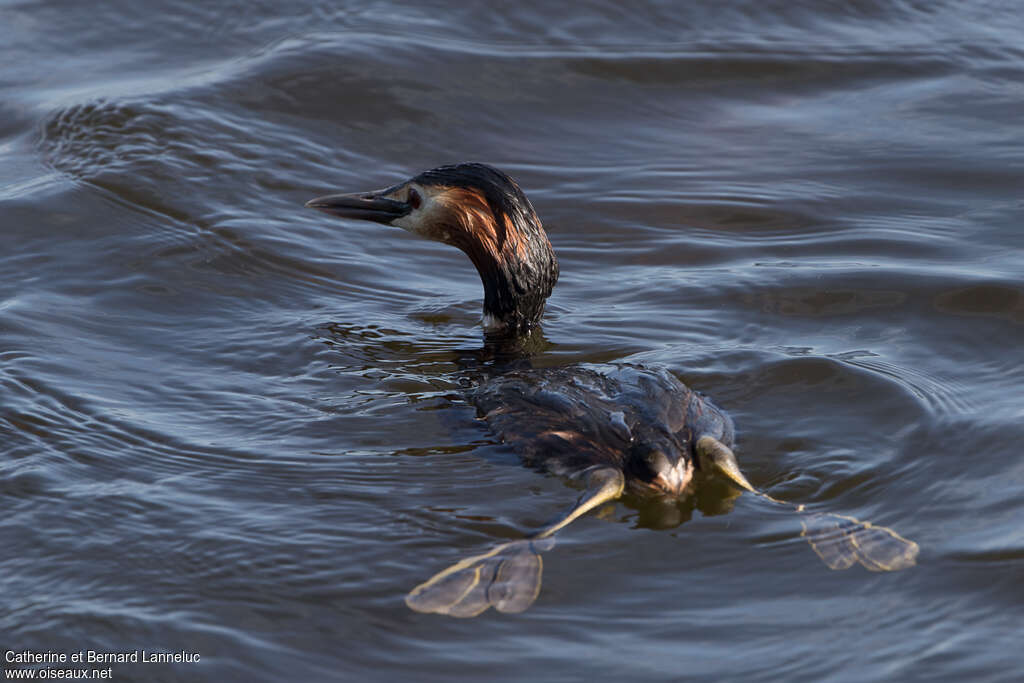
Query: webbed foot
x=507, y=578
x=841, y=541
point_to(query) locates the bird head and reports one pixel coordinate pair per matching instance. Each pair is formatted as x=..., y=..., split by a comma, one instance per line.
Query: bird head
x=481, y=211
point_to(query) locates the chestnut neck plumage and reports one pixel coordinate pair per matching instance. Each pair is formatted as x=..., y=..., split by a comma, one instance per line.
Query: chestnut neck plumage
x=517, y=277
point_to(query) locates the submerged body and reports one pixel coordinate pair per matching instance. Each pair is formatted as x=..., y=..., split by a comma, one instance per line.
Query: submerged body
x=642, y=421
x=618, y=427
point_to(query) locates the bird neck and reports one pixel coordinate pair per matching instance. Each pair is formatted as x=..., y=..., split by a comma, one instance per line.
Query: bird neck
x=518, y=269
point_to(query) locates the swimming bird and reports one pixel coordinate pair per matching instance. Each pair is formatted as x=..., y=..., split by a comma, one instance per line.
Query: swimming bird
x=614, y=427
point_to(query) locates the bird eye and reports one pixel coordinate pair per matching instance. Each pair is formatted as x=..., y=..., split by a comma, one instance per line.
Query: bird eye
x=414, y=199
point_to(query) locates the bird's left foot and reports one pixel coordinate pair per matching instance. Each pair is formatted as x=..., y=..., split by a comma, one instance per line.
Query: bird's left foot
x=842, y=541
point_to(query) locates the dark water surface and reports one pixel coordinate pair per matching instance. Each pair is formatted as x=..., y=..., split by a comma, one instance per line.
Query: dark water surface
x=233, y=426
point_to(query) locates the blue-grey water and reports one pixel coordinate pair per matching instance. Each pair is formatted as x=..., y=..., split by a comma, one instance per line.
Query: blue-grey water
x=232, y=426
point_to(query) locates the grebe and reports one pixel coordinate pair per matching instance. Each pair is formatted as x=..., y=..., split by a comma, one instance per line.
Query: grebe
x=614, y=427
